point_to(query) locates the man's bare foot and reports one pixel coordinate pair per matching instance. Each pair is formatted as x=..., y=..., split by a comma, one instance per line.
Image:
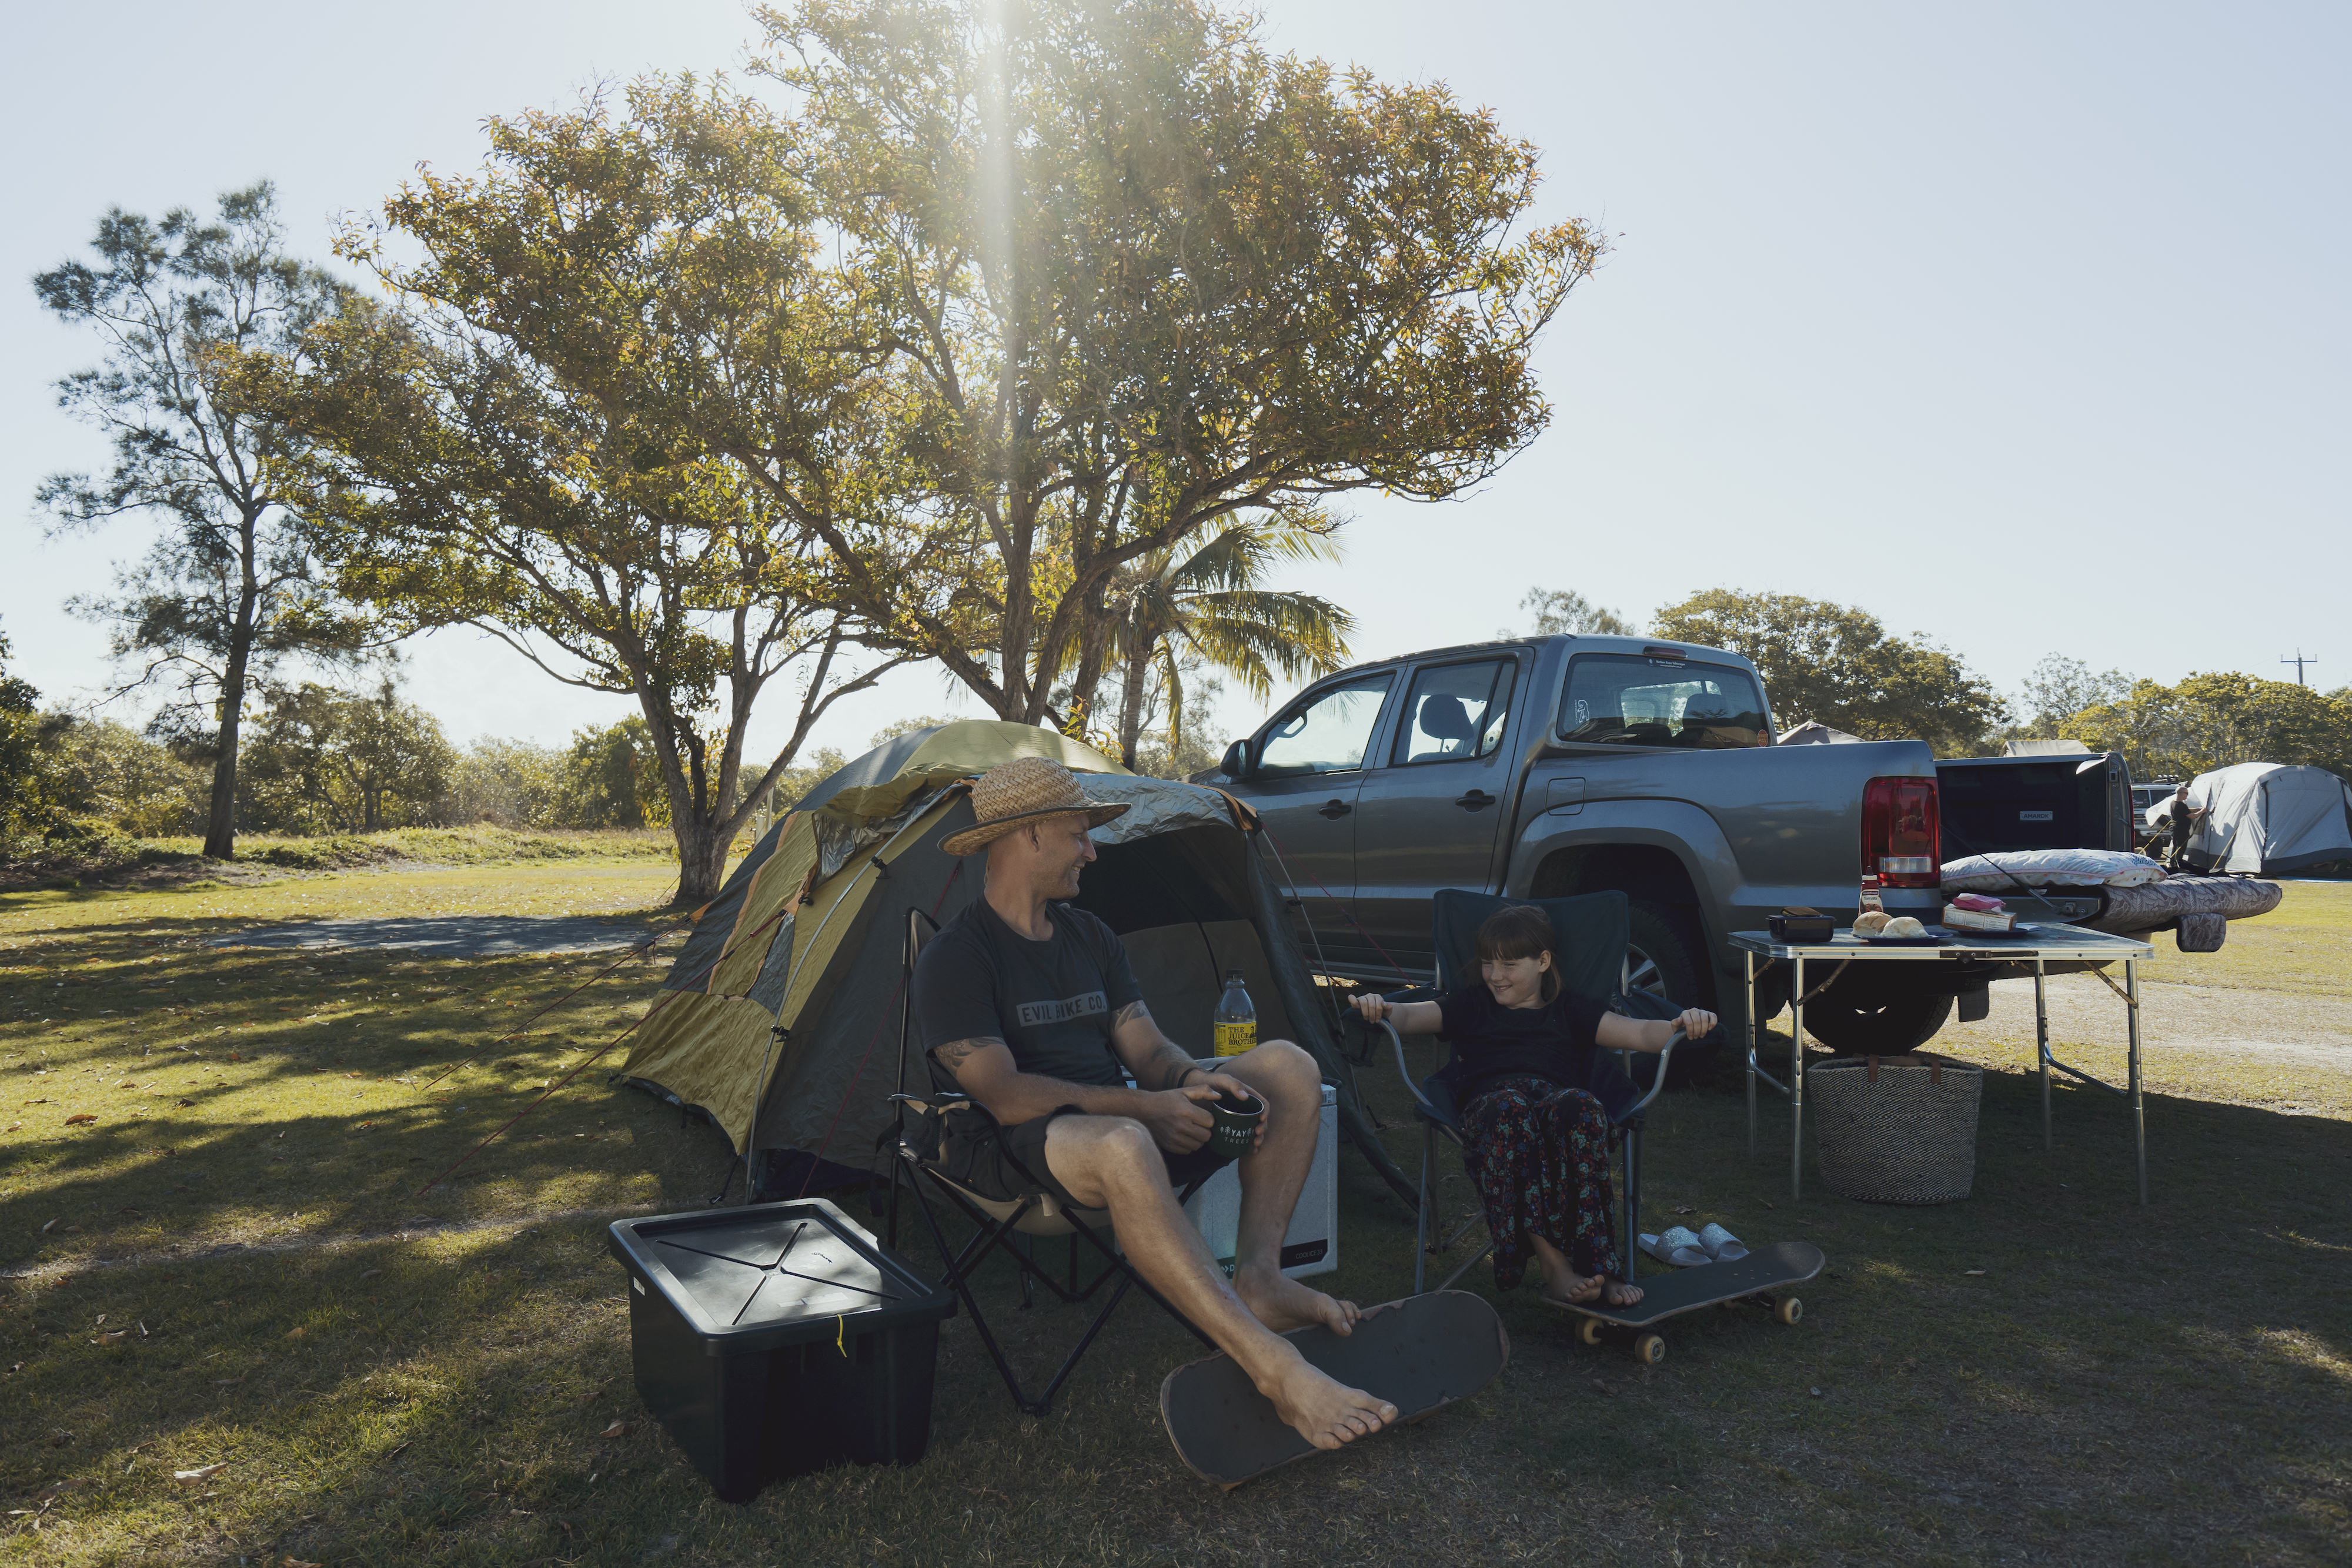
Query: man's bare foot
x=1282, y=1303
x=1325, y=1413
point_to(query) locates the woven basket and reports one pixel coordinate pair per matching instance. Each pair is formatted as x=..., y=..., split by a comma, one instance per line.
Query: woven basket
x=1897, y=1129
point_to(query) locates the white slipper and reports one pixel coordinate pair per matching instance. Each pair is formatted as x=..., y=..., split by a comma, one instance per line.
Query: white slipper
x=1678, y=1246
x=1720, y=1244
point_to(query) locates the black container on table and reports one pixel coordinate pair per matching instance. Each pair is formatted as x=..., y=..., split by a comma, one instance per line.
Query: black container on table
x=778, y=1339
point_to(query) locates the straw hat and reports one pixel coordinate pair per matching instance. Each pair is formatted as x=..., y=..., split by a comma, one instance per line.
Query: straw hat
x=1026, y=790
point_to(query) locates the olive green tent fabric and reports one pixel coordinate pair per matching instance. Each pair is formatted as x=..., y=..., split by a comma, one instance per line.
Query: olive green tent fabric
x=782, y=1018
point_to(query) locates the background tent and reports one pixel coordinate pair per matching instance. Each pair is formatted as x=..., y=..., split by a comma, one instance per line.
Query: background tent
x=780, y=1019
x=2266, y=818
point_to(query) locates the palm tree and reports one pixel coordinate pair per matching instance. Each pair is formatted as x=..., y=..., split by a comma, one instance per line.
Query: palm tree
x=1209, y=603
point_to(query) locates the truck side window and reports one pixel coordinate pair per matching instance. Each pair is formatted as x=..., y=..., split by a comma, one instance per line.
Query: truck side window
x=1627, y=699
x=1455, y=712
x=1326, y=734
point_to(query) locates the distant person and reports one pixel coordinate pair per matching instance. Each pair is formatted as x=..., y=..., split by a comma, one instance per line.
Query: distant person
x=1535, y=1139
x=2180, y=825
x=1029, y=1004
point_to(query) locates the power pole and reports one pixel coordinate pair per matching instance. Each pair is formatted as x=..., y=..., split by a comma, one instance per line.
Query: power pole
x=2299, y=662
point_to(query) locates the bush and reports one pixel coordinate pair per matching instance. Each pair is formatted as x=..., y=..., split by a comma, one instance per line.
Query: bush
x=108, y=771
x=510, y=784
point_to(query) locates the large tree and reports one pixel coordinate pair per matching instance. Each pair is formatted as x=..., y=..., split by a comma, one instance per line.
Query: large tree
x=1836, y=663
x=506, y=449
x=228, y=587
x=1139, y=278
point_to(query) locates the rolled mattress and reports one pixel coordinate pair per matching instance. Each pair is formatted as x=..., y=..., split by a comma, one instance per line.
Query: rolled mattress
x=2158, y=906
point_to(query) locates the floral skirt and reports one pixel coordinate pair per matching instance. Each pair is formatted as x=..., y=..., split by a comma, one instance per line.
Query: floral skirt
x=1539, y=1155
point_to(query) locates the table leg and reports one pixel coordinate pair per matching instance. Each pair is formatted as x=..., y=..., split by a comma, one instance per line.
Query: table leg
x=2041, y=1047
x=1797, y=1081
x=1755, y=1040
x=2140, y=1120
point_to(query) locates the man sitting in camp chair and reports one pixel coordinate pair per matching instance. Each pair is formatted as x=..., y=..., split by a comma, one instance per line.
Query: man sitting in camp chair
x=1031, y=1008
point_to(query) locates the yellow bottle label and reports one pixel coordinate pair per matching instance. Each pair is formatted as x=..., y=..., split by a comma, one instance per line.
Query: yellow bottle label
x=1235, y=1039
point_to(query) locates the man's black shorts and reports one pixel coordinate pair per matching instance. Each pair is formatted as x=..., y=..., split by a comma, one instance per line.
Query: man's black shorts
x=1002, y=1164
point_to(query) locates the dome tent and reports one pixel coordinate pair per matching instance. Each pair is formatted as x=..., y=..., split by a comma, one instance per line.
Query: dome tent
x=780, y=1019
x=2268, y=819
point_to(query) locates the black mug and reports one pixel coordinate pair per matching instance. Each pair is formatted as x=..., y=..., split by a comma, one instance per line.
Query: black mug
x=1238, y=1113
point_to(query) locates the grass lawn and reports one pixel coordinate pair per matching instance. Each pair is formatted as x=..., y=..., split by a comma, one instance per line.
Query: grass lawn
x=232, y=1265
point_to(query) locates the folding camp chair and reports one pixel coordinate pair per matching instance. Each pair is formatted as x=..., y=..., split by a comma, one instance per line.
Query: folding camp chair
x=920, y=1127
x=1593, y=930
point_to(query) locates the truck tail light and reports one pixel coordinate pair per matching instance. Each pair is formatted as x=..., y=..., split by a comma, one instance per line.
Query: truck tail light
x=1901, y=834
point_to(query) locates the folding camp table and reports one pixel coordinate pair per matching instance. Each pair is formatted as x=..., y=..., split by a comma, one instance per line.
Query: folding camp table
x=2011, y=955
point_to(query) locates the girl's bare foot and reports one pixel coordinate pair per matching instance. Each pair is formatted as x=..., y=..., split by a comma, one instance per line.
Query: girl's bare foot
x=1325, y=1413
x=1574, y=1289
x=1620, y=1293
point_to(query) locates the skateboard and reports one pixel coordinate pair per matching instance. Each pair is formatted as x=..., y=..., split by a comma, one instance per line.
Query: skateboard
x=1420, y=1354
x=1751, y=1279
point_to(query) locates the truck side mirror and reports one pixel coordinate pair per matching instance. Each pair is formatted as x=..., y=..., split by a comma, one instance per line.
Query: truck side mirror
x=1235, y=763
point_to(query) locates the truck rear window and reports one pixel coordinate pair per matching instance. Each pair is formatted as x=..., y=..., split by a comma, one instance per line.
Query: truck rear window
x=1625, y=699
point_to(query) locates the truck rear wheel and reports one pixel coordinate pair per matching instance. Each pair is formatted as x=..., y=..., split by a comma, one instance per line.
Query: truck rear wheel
x=1662, y=957
x=1884, y=1027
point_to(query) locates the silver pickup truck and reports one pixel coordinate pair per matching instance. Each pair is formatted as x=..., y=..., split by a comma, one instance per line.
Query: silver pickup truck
x=1549, y=766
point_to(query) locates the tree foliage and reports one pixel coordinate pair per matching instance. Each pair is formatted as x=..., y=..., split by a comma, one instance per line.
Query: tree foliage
x=2060, y=687
x=1836, y=664
x=324, y=762
x=505, y=449
x=101, y=769
x=1135, y=278
x=1209, y=603
x=227, y=589
x=28, y=795
x=2210, y=721
x=1565, y=609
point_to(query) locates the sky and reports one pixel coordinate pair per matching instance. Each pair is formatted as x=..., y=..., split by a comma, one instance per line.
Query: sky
x=2022, y=327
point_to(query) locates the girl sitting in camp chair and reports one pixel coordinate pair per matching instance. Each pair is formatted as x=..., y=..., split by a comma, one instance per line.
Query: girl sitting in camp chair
x=1537, y=1142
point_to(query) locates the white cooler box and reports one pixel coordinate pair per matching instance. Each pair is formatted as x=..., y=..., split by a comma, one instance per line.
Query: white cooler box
x=1312, y=1246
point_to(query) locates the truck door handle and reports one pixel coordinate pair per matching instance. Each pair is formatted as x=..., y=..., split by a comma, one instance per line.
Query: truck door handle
x=1334, y=809
x=1476, y=800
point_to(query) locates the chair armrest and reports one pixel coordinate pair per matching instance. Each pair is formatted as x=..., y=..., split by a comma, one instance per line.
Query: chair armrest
x=1658, y=1084
x=929, y=1106
x=1396, y=1041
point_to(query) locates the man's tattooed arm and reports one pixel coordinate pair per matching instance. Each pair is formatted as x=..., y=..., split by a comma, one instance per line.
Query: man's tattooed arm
x=956, y=1052
x=1167, y=1069
x=1169, y=1062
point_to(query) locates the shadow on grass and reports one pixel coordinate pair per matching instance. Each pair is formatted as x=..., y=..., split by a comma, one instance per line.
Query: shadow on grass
x=2163, y=1384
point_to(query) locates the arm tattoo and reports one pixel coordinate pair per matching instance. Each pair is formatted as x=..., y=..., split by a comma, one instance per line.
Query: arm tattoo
x=956, y=1052
x=1128, y=1014
x=1168, y=1065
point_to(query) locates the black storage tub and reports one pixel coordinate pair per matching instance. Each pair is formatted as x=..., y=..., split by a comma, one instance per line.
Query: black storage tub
x=778, y=1339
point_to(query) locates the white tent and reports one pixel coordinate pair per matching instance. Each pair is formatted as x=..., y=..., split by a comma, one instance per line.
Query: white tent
x=2266, y=818
x=1813, y=732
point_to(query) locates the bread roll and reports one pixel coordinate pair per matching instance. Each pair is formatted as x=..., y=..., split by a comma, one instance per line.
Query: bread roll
x=1871, y=922
x=1904, y=925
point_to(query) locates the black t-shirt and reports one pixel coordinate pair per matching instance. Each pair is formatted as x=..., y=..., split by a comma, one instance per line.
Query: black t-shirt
x=1051, y=1002
x=1492, y=1042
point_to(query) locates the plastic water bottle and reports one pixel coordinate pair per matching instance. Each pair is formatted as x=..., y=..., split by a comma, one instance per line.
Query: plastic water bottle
x=1237, y=1017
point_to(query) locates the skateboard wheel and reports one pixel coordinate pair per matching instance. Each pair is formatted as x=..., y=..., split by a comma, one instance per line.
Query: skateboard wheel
x=1650, y=1349
x=1587, y=1330
x=1788, y=1310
